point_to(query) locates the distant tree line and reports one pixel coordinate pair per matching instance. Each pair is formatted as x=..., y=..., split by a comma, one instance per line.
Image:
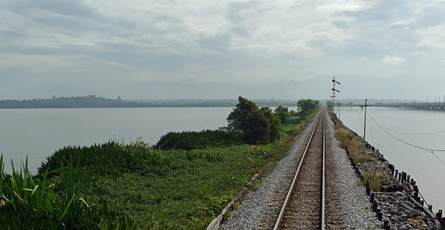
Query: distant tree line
x=92, y=101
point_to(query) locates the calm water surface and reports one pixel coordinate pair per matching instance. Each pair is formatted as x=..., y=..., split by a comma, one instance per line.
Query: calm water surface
x=37, y=133
x=412, y=126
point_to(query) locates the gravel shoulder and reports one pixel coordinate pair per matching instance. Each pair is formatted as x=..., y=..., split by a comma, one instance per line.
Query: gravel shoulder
x=260, y=208
x=354, y=209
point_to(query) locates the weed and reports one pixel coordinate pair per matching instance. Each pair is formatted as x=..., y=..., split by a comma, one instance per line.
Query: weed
x=355, y=147
x=136, y=186
x=360, y=183
x=374, y=181
x=37, y=203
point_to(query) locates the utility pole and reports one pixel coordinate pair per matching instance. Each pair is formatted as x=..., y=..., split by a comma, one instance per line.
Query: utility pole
x=333, y=91
x=364, y=129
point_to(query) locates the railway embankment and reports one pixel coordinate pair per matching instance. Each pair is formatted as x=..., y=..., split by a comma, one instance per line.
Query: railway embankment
x=364, y=190
x=394, y=196
x=347, y=205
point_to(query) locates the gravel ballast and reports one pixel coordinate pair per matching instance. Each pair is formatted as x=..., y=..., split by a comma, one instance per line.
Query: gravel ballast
x=260, y=208
x=354, y=210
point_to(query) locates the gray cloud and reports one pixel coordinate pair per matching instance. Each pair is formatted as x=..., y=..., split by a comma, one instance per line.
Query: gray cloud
x=190, y=49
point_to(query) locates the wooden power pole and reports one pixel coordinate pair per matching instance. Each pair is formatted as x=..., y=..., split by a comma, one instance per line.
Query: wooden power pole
x=364, y=129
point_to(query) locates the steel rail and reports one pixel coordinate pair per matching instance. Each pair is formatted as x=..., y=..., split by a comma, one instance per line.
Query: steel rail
x=323, y=177
x=291, y=188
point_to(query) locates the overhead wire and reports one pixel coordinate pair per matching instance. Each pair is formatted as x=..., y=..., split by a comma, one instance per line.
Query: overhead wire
x=414, y=134
x=407, y=143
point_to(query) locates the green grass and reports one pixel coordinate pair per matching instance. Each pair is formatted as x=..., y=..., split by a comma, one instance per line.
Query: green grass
x=356, y=147
x=189, y=190
x=27, y=202
x=134, y=186
x=171, y=189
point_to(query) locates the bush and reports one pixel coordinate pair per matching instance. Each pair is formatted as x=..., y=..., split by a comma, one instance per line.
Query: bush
x=198, y=140
x=111, y=158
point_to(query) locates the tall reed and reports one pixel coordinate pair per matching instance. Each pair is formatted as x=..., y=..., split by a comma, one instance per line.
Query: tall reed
x=28, y=202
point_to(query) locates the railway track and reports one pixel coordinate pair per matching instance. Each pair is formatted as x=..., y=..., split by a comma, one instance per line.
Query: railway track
x=304, y=205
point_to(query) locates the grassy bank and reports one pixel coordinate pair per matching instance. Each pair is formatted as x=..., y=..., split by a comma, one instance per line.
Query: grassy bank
x=135, y=186
x=359, y=155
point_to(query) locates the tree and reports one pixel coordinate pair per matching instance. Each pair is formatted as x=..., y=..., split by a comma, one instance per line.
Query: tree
x=307, y=106
x=254, y=124
x=273, y=122
x=283, y=113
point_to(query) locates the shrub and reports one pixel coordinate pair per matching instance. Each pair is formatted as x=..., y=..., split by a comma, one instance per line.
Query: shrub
x=27, y=202
x=198, y=140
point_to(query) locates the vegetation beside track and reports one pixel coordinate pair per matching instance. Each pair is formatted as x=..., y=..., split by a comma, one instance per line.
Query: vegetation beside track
x=137, y=186
x=358, y=154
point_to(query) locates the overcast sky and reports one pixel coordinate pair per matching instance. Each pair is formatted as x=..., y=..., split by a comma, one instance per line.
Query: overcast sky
x=142, y=49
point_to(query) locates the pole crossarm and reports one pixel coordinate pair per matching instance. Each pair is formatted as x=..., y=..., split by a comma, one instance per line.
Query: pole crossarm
x=333, y=80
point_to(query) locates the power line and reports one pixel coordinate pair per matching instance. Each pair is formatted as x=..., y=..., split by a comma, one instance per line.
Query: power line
x=414, y=134
x=404, y=133
x=413, y=145
x=410, y=144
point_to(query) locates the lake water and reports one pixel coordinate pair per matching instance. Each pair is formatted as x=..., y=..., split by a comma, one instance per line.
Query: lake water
x=388, y=129
x=37, y=133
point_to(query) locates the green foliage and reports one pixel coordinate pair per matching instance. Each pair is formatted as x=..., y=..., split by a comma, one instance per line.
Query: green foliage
x=38, y=203
x=188, y=191
x=283, y=113
x=210, y=206
x=189, y=195
x=259, y=151
x=111, y=158
x=273, y=124
x=307, y=106
x=255, y=125
x=198, y=140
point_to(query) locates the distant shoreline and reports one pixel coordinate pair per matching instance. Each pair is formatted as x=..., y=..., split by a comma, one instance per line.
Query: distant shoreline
x=92, y=101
